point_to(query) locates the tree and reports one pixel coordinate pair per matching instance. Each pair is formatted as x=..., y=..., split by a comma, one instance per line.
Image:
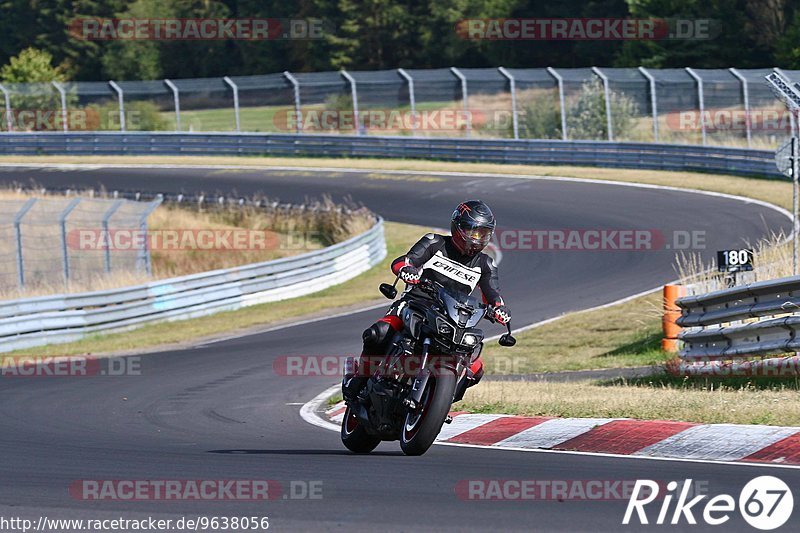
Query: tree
x=31, y=66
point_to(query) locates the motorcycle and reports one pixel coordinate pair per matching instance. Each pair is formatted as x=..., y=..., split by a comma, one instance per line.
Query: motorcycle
x=408, y=397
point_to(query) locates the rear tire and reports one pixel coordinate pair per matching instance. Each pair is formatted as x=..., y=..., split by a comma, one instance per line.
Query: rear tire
x=354, y=436
x=421, y=428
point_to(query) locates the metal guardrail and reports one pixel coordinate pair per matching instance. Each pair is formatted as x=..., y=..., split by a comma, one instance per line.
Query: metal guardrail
x=31, y=322
x=713, y=159
x=756, y=319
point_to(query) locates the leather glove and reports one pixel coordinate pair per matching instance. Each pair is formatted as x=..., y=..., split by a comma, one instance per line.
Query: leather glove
x=502, y=315
x=410, y=274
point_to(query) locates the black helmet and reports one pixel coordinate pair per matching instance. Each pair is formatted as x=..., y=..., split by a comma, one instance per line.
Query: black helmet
x=472, y=226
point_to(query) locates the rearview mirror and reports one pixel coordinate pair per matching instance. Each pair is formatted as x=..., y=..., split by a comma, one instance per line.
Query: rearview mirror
x=388, y=291
x=506, y=339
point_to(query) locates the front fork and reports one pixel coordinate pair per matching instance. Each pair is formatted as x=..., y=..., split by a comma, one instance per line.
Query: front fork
x=421, y=381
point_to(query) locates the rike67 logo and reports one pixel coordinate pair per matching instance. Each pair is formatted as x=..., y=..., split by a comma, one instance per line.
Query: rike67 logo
x=765, y=503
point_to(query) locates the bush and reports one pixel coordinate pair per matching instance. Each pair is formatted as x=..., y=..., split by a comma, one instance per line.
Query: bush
x=586, y=115
x=139, y=116
x=539, y=117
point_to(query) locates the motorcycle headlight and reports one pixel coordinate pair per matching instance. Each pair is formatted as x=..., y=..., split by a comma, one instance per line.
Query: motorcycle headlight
x=469, y=340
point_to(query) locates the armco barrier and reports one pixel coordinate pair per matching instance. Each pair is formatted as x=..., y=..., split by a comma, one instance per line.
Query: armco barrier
x=762, y=318
x=63, y=318
x=713, y=159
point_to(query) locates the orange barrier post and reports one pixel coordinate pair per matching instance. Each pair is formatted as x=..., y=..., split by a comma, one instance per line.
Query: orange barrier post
x=671, y=313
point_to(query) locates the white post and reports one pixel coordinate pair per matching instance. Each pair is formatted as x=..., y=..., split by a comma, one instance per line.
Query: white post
x=121, y=98
x=411, y=98
x=513, y=87
x=177, y=97
x=561, y=99
x=653, y=101
x=609, y=124
x=702, y=106
x=233, y=86
x=62, y=221
x=354, y=96
x=63, y=94
x=465, y=97
x=7, y=98
x=792, y=120
x=18, y=234
x=296, y=86
x=746, y=101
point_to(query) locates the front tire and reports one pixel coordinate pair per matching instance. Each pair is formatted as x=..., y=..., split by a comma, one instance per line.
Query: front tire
x=354, y=436
x=421, y=427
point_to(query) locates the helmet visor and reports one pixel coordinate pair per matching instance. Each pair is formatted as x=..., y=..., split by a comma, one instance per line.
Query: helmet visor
x=475, y=234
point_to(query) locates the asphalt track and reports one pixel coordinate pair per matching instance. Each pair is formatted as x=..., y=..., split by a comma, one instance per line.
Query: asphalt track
x=220, y=411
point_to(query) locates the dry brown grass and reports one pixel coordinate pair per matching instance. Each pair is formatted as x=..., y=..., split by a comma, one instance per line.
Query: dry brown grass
x=295, y=230
x=738, y=404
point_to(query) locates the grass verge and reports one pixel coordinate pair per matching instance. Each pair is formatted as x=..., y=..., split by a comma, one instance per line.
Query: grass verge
x=358, y=291
x=766, y=401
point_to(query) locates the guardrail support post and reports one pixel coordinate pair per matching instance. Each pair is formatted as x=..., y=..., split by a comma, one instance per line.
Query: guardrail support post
x=671, y=313
x=607, y=94
x=700, y=101
x=7, y=98
x=296, y=87
x=106, y=217
x=62, y=221
x=235, y=88
x=746, y=102
x=18, y=237
x=653, y=101
x=144, y=253
x=513, y=88
x=63, y=95
x=121, y=98
x=465, y=96
x=354, y=97
x=411, y=98
x=561, y=100
x=177, y=98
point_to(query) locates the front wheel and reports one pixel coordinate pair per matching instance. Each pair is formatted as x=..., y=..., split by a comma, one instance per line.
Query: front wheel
x=423, y=425
x=354, y=436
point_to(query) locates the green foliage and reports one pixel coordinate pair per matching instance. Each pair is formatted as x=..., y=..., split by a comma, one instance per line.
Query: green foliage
x=139, y=116
x=540, y=117
x=586, y=116
x=31, y=66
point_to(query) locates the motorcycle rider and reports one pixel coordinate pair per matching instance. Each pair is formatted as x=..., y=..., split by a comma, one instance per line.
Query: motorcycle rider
x=457, y=262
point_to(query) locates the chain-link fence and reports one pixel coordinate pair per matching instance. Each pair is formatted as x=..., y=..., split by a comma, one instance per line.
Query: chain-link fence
x=52, y=242
x=683, y=105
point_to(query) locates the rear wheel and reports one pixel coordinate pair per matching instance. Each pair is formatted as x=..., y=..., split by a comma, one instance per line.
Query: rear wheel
x=354, y=436
x=423, y=425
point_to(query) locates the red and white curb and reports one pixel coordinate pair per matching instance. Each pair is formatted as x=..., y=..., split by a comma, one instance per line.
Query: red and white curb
x=656, y=439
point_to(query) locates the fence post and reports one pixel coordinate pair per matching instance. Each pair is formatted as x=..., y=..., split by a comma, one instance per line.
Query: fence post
x=607, y=93
x=176, y=94
x=513, y=87
x=296, y=86
x=465, y=96
x=121, y=98
x=411, y=98
x=108, y=214
x=62, y=221
x=235, y=100
x=144, y=253
x=561, y=99
x=653, y=101
x=746, y=102
x=7, y=98
x=699, y=81
x=354, y=96
x=18, y=236
x=63, y=94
